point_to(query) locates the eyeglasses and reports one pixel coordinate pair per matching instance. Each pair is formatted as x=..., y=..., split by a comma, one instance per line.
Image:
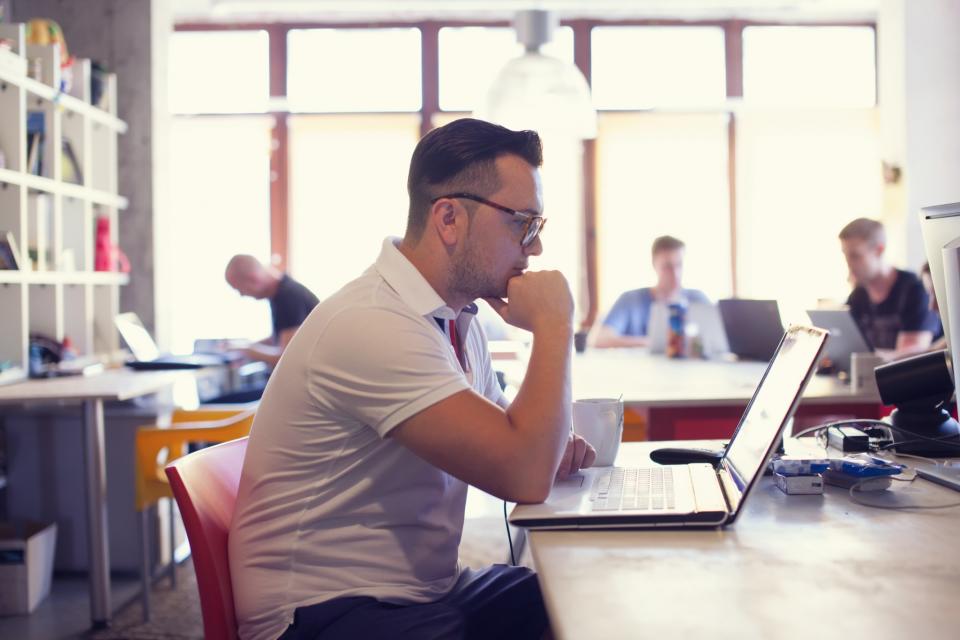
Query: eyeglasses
x=533, y=223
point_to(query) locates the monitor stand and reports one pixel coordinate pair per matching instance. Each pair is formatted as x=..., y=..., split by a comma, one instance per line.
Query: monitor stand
x=927, y=432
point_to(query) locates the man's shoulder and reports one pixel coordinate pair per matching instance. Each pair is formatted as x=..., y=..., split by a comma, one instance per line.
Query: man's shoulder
x=908, y=279
x=291, y=287
x=367, y=303
x=636, y=296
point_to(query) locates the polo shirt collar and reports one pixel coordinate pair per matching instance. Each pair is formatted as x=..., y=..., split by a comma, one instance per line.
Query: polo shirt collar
x=410, y=284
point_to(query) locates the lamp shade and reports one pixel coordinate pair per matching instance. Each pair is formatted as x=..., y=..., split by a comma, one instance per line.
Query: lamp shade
x=535, y=91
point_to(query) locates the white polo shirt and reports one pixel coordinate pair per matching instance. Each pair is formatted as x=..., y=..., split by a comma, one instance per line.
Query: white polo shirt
x=329, y=506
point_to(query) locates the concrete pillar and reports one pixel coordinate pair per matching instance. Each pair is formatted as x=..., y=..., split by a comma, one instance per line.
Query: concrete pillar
x=130, y=38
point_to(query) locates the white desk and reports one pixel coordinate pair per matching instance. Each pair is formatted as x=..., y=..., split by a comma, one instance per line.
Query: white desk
x=791, y=567
x=652, y=380
x=91, y=391
x=686, y=398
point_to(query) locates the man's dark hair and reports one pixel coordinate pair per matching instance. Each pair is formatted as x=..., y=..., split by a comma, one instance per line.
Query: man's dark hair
x=666, y=243
x=461, y=156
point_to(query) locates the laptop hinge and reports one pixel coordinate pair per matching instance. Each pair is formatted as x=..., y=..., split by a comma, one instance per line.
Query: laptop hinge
x=731, y=494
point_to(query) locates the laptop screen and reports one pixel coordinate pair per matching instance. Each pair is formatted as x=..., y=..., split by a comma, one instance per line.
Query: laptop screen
x=137, y=337
x=773, y=402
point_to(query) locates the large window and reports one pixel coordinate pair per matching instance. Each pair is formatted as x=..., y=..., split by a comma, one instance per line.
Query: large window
x=809, y=66
x=344, y=70
x=234, y=80
x=219, y=206
x=348, y=176
x=802, y=176
x=657, y=67
x=219, y=181
x=679, y=151
x=662, y=174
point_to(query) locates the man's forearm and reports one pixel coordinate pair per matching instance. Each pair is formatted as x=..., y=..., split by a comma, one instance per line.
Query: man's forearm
x=540, y=413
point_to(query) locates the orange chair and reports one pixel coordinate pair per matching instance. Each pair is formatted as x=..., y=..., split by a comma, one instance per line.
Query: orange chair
x=205, y=485
x=156, y=446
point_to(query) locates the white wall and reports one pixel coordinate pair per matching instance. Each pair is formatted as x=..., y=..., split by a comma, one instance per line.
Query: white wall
x=919, y=51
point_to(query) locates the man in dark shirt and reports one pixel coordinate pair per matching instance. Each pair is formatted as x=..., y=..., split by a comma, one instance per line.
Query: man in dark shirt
x=889, y=305
x=290, y=303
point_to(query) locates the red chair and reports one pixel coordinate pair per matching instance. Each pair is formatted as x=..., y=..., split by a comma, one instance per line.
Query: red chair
x=205, y=485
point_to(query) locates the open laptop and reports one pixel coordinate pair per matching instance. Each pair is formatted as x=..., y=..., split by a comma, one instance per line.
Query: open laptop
x=692, y=495
x=147, y=356
x=705, y=317
x=845, y=336
x=753, y=327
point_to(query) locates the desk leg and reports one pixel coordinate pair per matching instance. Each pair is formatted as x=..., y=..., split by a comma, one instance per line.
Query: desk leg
x=96, y=491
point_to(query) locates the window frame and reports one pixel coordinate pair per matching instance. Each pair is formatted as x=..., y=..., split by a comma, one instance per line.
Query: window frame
x=430, y=106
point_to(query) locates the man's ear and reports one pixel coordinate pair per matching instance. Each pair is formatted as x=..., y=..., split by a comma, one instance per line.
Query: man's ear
x=443, y=217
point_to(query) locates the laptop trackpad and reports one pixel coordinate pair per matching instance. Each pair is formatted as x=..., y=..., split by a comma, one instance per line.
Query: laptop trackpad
x=573, y=482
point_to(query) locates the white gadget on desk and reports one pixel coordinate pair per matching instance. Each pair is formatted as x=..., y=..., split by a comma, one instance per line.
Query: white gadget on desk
x=693, y=495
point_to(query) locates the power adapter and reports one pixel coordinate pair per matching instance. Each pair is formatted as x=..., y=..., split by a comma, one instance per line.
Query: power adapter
x=848, y=439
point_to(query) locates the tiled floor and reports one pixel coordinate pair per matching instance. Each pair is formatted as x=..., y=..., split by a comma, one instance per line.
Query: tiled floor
x=65, y=613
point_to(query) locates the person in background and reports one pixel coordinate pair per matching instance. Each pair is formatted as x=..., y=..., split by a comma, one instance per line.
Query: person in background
x=290, y=304
x=890, y=306
x=939, y=338
x=385, y=407
x=626, y=325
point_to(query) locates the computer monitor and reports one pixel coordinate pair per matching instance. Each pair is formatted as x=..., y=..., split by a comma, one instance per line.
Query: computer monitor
x=940, y=225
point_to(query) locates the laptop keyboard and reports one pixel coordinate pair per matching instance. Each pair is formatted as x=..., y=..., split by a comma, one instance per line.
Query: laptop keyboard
x=620, y=489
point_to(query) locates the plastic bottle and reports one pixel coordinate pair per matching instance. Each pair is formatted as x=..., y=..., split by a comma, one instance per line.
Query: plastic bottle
x=675, y=331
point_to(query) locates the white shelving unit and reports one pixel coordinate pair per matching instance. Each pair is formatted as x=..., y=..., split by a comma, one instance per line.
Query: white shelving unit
x=56, y=292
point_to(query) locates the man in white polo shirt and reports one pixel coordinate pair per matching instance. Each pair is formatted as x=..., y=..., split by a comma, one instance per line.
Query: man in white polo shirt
x=384, y=406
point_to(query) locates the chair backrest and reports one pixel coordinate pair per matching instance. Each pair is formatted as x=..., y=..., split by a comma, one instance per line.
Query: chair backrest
x=205, y=485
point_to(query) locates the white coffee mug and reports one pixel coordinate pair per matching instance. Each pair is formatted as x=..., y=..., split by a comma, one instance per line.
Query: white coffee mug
x=599, y=421
x=862, y=377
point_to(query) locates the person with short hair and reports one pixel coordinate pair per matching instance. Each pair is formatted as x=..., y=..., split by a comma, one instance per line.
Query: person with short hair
x=290, y=304
x=627, y=322
x=385, y=407
x=889, y=305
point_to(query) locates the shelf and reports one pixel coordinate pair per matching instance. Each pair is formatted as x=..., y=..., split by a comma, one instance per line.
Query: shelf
x=66, y=101
x=80, y=192
x=64, y=277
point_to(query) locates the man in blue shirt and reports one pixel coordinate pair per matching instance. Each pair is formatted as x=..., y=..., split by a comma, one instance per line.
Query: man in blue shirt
x=626, y=325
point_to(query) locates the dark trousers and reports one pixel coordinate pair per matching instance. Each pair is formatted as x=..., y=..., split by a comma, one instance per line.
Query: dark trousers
x=499, y=602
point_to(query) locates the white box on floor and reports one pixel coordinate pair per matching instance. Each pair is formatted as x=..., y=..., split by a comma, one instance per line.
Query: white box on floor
x=26, y=564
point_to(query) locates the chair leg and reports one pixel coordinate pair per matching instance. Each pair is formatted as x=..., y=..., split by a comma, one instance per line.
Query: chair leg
x=145, y=564
x=173, y=543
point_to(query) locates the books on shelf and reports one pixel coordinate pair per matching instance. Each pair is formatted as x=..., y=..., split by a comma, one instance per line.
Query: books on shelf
x=36, y=126
x=70, y=167
x=9, y=252
x=39, y=212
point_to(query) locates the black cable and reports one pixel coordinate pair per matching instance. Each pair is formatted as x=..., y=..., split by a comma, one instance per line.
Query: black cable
x=839, y=423
x=941, y=440
x=506, y=523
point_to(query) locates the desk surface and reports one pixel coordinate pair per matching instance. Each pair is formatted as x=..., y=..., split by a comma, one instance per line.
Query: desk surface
x=657, y=381
x=113, y=384
x=791, y=567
